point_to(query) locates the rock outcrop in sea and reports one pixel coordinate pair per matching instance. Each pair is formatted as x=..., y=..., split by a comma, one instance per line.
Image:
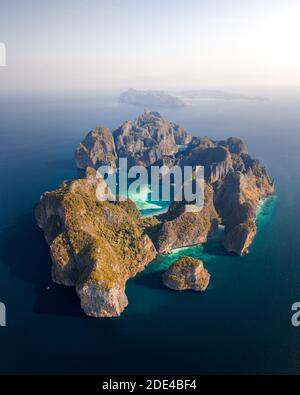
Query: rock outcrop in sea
x=186, y=273
x=218, y=95
x=144, y=141
x=96, y=246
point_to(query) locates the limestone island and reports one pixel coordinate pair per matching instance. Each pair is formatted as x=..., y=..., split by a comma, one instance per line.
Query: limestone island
x=96, y=246
x=150, y=98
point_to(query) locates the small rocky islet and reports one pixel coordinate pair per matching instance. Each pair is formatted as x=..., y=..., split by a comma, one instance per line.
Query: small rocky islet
x=96, y=246
x=186, y=273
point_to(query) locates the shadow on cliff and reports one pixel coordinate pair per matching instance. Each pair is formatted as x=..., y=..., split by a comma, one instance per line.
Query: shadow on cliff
x=61, y=164
x=24, y=250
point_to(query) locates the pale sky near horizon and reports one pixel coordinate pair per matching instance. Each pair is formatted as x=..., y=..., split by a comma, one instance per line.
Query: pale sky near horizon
x=158, y=44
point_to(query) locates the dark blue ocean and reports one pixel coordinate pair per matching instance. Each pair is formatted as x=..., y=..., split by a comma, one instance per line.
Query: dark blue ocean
x=242, y=324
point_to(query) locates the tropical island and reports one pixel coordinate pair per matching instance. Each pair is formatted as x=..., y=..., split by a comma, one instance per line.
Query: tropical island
x=161, y=99
x=96, y=246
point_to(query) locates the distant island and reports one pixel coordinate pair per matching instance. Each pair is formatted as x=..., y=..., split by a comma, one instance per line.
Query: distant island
x=218, y=94
x=162, y=99
x=96, y=246
x=150, y=98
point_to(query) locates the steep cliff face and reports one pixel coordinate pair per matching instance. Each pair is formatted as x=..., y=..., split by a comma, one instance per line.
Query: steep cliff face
x=181, y=227
x=182, y=137
x=95, y=246
x=239, y=183
x=236, y=199
x=202, y=142
x=97, y=149
x=239, y=238
x=234, y=145
x=145, y=140
x=186, y=273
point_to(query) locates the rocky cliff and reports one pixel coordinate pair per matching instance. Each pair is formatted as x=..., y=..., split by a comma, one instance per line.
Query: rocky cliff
x=145, y=140
x=217, y=157
x=182, y=227
x=97, y=149
x=216, y=160
x=237, y=198
x=239, y=183
x=95, y=246
x=182, y=137
x=150, y=98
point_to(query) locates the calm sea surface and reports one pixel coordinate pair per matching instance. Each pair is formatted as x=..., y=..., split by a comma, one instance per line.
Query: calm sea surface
x=242, y=324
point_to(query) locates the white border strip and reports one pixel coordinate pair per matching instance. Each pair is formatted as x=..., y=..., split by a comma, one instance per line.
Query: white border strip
x=2, y=55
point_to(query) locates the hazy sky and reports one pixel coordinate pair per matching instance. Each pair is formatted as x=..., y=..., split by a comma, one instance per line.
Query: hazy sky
x=168, y=44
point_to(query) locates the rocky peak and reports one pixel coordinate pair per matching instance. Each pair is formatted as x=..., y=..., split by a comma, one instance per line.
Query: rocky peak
x=235, y=145
x=145, y=140
x=182, y=228
x=97, y=149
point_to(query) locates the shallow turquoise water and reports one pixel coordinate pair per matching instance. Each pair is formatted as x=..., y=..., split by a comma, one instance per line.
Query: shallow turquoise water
x=211, y=253
x=240, y=325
